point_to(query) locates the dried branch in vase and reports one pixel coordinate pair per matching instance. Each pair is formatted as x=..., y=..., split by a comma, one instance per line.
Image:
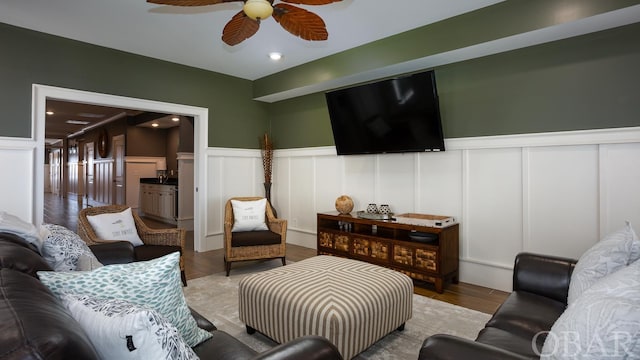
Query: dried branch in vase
x=267, y=157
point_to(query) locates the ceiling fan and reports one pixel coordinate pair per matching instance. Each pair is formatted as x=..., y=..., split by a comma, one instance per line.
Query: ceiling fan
x=244, y=24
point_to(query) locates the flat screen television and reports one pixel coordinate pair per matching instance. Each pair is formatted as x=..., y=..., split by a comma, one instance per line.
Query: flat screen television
x=389, y=116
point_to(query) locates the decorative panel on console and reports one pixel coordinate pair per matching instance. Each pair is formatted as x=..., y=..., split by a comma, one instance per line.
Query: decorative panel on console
x=371, y=248
x=427, y=259
x=403, y=255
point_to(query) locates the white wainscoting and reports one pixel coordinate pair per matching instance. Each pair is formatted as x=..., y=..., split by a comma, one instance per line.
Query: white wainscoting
x=554, y=193
x=17, y=159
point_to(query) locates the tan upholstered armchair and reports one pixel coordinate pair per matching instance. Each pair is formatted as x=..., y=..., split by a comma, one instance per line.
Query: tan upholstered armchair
x=157, y=242
x=253, y=245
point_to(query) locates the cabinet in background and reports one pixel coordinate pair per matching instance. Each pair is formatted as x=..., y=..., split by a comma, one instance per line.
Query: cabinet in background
x=158, y=201
x=389, y=243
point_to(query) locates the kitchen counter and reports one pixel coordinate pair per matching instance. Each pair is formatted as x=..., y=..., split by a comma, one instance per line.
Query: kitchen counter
x=169, y=181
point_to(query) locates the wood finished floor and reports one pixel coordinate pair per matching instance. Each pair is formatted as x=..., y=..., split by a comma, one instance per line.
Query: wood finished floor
x=198, y=264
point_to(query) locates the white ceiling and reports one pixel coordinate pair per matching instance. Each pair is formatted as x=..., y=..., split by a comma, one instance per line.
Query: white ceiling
x=192, y=35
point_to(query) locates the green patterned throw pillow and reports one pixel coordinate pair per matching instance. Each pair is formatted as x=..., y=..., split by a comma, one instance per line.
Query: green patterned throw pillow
x=154, y=283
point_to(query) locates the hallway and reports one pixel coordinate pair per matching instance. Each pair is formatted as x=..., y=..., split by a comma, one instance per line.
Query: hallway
x=61, y=211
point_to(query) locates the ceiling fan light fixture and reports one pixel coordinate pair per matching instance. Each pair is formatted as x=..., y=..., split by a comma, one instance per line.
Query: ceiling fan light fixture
x=257, y=9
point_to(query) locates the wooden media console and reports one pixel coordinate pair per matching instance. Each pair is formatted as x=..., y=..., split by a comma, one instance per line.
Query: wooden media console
x=425, y=247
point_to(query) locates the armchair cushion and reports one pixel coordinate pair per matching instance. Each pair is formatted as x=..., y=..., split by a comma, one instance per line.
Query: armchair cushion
x=249, y=215
x=116, y=226
x=114, y=252
x=150, y=252
x=253, y=238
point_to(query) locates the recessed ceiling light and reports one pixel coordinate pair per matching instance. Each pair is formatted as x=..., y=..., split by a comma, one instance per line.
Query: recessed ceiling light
x=275, y=56
x=77, y=122
x=49, y=113
x=155, y=124
x=175, y=118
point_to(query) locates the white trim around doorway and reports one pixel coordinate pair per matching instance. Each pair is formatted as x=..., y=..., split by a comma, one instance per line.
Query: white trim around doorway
x=40, y=94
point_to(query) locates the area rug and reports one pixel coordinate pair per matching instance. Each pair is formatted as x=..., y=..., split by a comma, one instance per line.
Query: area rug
x=216, y=297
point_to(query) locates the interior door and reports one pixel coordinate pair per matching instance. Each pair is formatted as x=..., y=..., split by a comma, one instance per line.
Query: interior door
x=89, y=171
x=118, y=169
x=55, y=163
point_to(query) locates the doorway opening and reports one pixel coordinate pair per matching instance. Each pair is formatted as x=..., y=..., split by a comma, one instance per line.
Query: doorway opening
x=42, y=93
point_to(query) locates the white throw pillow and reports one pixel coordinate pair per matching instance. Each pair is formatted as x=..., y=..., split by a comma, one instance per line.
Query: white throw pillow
x=116, y=226
x=120, y=329
x=64, y=250
x=603, y=323
x=249, y=215
x=155, y=283
x=605, y=257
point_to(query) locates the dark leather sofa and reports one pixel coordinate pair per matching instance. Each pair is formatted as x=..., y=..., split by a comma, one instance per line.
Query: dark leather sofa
x=35, y=325
x=517, y=329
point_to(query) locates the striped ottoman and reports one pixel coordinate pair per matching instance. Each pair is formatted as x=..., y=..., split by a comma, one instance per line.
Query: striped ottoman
x=351, y=303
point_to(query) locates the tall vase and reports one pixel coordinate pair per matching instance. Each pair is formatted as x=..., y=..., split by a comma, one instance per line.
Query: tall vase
x=267, y=194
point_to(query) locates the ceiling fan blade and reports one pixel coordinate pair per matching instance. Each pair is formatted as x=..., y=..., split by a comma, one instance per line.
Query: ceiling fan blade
x=311, y=2
x=189, y=2
x=239, y=28
x=300, y=22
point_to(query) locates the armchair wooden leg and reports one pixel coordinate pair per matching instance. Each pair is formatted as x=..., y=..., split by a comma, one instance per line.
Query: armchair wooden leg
x=284, y=261
x=184, y=278
x=227, y=265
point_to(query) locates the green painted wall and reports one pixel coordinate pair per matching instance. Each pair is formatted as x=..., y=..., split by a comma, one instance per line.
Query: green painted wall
x=588, y=82
x=483, y=25
x=30, y=57
x=300, y=122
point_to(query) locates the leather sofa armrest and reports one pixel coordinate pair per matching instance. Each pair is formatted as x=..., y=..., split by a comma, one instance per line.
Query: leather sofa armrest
x=449, y=347
x=116, y=252
x=309, y=347
x=203, y=322
x=544, y=275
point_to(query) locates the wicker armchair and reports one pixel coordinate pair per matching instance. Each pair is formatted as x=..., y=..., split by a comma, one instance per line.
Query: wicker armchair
x=157, y=242
x=242, y=252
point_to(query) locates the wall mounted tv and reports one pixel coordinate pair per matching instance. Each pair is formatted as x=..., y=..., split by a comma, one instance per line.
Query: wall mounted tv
x=389, y=116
